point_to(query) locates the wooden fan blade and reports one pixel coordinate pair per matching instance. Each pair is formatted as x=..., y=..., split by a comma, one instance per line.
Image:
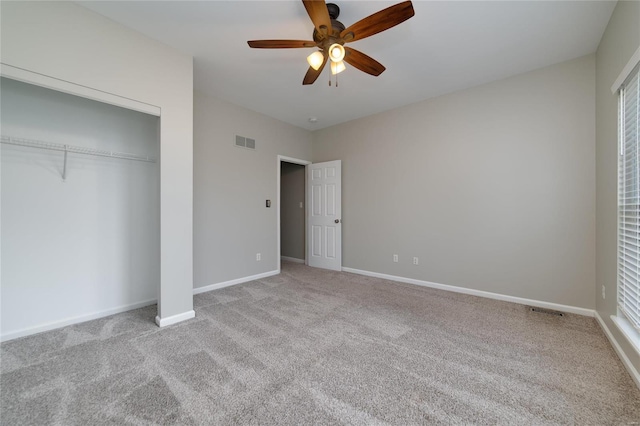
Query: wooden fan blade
x=312, y=75
x=363, y=62
x=317, y=10
x=280, y=44
x=379, y=21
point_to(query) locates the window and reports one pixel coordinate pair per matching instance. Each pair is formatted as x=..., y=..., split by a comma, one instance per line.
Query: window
x=629, y=200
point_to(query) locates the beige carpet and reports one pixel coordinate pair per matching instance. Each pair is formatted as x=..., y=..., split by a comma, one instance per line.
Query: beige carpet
x=317, y=347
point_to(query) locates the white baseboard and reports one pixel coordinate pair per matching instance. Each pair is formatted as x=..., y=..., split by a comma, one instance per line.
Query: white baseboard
x=479, y=293
x=292, y=259
x=162, y=322
x=204, y=289
x=174, y=319
x=74, y=320
x=616, y=346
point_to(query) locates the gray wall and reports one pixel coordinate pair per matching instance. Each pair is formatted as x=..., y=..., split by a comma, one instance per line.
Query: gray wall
x=231, y=222
x=90, y=244
x=292, y=232
x=621, y=39
x=492, y=188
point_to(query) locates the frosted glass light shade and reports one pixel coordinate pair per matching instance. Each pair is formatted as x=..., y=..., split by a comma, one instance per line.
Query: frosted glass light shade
x=337, y=67
x=315, y=60
x=336, y=52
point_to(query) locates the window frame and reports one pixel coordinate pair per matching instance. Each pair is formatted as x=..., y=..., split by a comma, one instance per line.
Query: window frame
x=626, y=282
x=630, y=72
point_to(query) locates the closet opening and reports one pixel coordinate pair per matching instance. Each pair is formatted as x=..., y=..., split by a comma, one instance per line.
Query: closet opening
x=80, y=209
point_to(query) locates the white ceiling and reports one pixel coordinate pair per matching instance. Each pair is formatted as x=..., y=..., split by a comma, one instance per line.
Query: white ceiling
x=446, y=46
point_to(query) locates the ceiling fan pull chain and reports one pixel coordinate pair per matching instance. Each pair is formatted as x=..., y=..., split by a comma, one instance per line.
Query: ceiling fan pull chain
x=336, y=80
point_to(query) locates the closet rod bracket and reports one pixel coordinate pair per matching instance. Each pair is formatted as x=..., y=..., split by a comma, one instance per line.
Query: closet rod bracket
x=64, y=167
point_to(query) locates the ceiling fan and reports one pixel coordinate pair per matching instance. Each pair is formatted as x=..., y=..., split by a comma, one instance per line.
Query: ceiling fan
x=330, y=35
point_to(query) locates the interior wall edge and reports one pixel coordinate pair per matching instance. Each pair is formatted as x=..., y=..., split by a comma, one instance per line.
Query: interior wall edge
x=36, y=37
x=174, y=319
x=101, y=314
x=292, y=259
x=618, y=349
x=29, y=331
x=229, y=283
x=231, y=223
x=482, y=156
x=620, y=41
x=53, y=83
x=480, y=293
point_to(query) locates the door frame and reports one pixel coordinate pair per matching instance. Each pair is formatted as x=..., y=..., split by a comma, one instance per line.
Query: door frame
x=305, y=163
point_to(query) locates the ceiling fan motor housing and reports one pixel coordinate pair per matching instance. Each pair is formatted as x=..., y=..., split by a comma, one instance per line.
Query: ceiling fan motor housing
x=336, y=28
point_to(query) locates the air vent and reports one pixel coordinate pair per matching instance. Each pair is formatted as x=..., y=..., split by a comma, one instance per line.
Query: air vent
x=547, y=311
x=243, y=142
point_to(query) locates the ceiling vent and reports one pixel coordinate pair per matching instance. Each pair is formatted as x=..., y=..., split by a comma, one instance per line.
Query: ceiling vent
x=243, y=142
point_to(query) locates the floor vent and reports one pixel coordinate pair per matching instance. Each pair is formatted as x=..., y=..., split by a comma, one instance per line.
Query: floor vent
x=547, y=311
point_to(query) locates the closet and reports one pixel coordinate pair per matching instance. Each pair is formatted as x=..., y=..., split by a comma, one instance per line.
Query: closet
x=80, y=208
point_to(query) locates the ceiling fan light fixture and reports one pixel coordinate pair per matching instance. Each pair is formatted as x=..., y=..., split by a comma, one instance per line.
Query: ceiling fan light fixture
x=315, y=60
x=337, y=67
x=336, y=52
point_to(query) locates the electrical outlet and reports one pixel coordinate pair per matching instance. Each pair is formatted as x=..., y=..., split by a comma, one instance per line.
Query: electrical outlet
x=258, y=257
x=395, y=258
x=415, y=260
x=603, y=292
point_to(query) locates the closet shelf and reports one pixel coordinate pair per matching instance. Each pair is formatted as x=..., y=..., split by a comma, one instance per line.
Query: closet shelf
x=74, y=149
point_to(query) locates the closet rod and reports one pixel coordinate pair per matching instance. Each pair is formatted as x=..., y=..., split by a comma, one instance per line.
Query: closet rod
x=75, y=149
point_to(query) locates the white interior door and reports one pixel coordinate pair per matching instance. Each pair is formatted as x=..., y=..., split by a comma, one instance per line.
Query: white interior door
x=324, y=227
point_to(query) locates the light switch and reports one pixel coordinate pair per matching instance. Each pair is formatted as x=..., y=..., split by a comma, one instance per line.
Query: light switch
x=301, y=205
x=268, y=203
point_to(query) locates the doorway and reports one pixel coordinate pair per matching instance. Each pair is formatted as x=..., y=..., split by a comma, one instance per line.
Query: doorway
x=291, y=205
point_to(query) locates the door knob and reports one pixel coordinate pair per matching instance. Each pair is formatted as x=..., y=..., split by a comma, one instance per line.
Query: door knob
x=337, y=221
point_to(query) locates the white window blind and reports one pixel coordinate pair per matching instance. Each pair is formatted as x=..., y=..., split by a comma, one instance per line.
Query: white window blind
x=629, y=200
